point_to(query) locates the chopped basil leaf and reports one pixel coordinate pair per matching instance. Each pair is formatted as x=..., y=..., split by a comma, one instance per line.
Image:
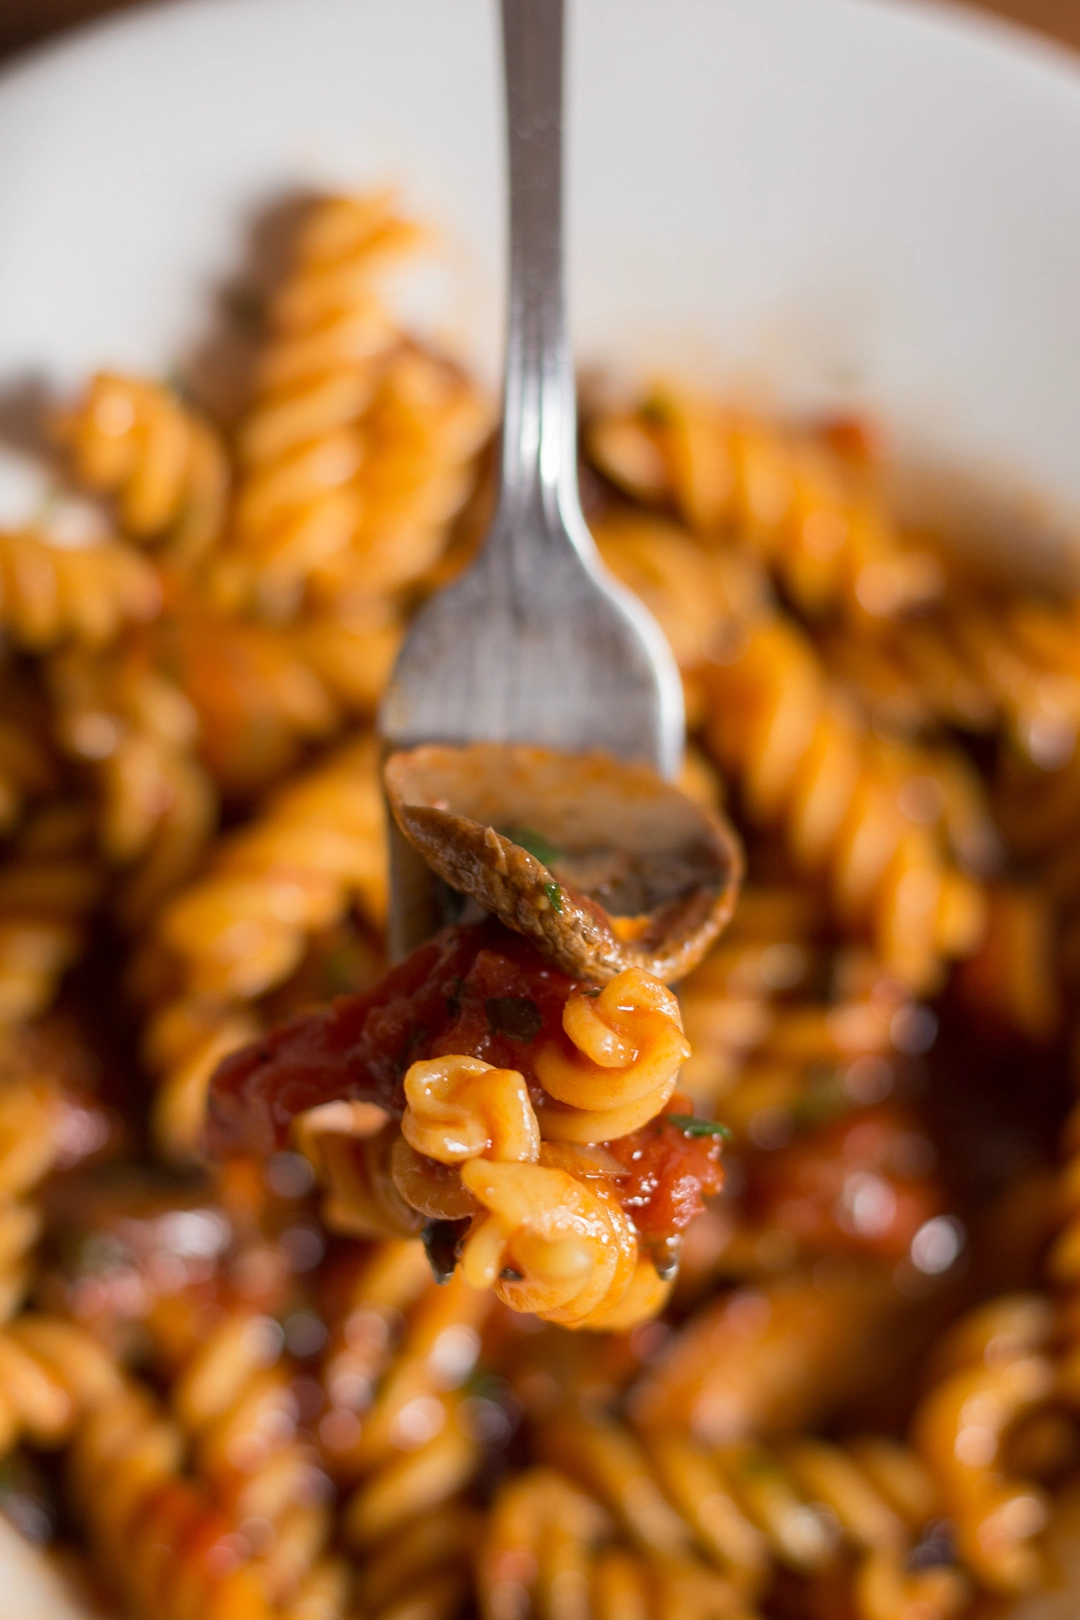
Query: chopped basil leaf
x=536, y=844
x=554, y=894
x=515, y=1016
x=592, y=991
x=698, y=1127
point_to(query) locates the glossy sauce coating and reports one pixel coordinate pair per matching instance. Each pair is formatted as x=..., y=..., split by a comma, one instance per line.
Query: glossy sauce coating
x=480, y=991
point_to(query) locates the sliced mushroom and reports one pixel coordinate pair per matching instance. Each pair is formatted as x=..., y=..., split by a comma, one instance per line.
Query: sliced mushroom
x=602, y=864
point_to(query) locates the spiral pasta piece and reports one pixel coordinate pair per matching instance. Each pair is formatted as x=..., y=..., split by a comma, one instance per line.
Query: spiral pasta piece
x=992, y=1370
x=742, y=1510
x=163, y=462
x=766, y=1360
x=810, y=513
x=551, y=1244
x=234, y=711
x=316, y=847
x=301, y=447
x=172, y=1550
x=257, y=700
x=845, y=803
x=233, y=1396
x=728, y=1002
x=381, y=1183
x=52, y=1374
x=355, y=450
x=52, y=593
x=540, y=1537
x=377, y=1186
x=396, y=1428
x=239, y=930
x=351, y=653
x=623, y=1546
x=137, y=732
x=888, y=827
x=380, y=1290
x=551, y=1551
x=460, y=1108
x=983, y=661
x=421, y=437
x=625, y=1046
x=425, y=1567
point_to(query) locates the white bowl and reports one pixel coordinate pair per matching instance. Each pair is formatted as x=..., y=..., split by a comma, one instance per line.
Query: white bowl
x=842, y=202
x=826, y=201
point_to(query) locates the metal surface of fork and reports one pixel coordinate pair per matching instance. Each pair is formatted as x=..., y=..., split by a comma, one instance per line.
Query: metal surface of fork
x=534, y=643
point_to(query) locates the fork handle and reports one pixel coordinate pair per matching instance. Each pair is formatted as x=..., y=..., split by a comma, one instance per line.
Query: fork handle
x=539, y=451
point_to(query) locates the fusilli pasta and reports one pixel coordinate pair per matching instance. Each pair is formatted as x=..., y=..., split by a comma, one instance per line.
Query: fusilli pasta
x=812, y=514
x=355, y=449
x=239, y=930
x=232, y=1389
x=136, y=440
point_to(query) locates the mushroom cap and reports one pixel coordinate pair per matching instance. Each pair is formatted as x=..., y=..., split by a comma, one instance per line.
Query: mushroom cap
x=601, y=863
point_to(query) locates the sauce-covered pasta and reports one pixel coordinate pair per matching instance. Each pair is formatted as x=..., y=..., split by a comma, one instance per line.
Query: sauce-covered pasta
x=688, y=1228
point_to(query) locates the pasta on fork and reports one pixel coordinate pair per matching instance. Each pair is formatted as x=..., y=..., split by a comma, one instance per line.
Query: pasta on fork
x=486, y=1098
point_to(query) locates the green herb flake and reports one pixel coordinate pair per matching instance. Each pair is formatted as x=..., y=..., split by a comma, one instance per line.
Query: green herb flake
x=690, y=1126
x=515, y=1016
x=554, y=894
x=541, y=848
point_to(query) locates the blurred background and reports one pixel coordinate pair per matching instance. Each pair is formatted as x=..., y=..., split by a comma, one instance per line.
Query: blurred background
x=22, y=22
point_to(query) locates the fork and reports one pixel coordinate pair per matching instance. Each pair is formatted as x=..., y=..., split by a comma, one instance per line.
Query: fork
x=535, y=643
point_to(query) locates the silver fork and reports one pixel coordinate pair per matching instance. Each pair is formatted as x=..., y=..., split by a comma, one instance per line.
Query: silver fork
x=535, y=643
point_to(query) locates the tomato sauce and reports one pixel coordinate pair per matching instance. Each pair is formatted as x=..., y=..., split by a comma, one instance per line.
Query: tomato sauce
x=668, y=1174
x=481, y=991
x=862, y=1184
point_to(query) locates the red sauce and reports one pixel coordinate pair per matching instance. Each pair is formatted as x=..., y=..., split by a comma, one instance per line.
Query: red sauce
x=481, y=991
x=860, y=1185
x=360, y=1046
x=668, y=1174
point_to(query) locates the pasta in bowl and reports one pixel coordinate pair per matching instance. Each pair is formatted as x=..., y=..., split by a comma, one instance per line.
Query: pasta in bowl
x=805, y=1184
